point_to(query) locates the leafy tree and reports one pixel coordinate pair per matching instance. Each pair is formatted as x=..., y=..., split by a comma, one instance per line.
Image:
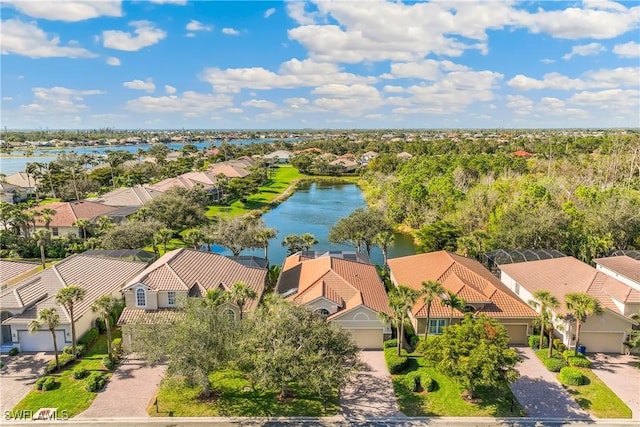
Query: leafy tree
x=237, y=233
x=178, y=209
x=476, y=352
x=51, y=318
x=159, y=152
x=581, y=306
x=437, y=236
x=294, y=243
x=130, y=235
x=360, y=228
x=241, y=295
x=115, y=159
x=401, y=300
x=105, y=306
x=68, y=297
x=545, y=301
x=454, y=302
x=430, y=290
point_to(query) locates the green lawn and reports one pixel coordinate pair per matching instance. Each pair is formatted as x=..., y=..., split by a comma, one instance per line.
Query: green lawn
x=70, y=394
x=446, y=400
x=234, y=397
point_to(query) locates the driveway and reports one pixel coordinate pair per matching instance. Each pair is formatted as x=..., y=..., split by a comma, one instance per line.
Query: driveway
x=18, y=375
x=128, y=392
x=539, y=391
x=619, y=373
x=370, y=392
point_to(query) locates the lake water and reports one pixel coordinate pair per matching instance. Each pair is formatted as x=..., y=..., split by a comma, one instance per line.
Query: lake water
x=314, y=208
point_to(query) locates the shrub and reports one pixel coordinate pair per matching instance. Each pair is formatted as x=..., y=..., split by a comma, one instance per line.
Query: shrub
x=579, y=361
x=14, y=351
x=412, y=381
x=571, y=353
x=88, y=338
x=48, y=384
x=395, y=363
x=63, y=360
x=414, y=340
x=39, y=382
x=68, y=349
x=427, y=383
x=95, y=382
x=554, y=364
x=559, y=345
x=116, y=347
x=571, y=376
x=534, y=341
x=391, y=343
x=80, y=373
x=107, y=362
x=102, y=328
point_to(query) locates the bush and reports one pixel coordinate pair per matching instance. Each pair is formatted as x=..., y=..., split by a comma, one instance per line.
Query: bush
x=570, y=353
x=559, y=345
x=95, y=382
x=80, y=373
x=390, y=343
x=88, y=338
x=427, y=383
x=48, y=384
x=579, y=361
x=412, y=381
x=554, y=364
x=396, y=364
x=108, y=362
x=63, y=360
x=534, y=341
x=14, y=351
x=571, y=376
x=102, y=328
x=68, y=349
x=39, y=382
x=116, y=347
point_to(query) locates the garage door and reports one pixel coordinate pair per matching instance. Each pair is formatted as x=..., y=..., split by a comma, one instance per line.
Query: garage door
x=369, y=339
x=602, y=342
x=517, y=334
x=41, y=341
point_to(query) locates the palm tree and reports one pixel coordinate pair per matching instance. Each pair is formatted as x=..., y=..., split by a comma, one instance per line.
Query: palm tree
x=384, y=240
x=240, y=294
x=546, y=302
x=31, y=169
x=582, y=306
x=47, y=215
x=83, y=225
x=293, y=242
x=51, y=318
x=104, y=306
x=263, y=236
x=68, y=297
x=401, y=300
x=454, y=302
x=41, y=237
x=308, y=240
x=430, y=290
x=194, y=237
x=104, y=223
x=163, y=236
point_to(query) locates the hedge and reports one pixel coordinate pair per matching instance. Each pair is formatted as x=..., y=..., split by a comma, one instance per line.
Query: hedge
x=554, y=365
x=117, y=348
x=48, y=384
x=68, y=349
x=534, y=341
x=63, y=360
x=571, y=353
x=390, y=343
x=88, y=338
x=412, y=381
x=95, y=382
x=427, y=383
x=396, y=364
x=571, y=376
x=39, y=382
x=108, y=362
x=579, y=361
x=79, y=373
x=559, y=345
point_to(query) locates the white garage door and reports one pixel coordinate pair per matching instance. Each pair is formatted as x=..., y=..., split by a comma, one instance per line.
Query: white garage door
x=367, y=339
x=40, y=341
x=517, y=334
x=602, y=342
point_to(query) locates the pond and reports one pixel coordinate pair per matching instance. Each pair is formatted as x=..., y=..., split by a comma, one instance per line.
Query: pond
x=314, y=208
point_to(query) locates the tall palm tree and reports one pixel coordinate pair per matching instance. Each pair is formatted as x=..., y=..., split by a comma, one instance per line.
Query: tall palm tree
x=163, y=236
x=545, y=301
x=41, y=237
x=104, y=223
x=454, y=302
x=31, y=169
x=430, y=290
x=83, y=225
x=582, y=306
x=308, y=240
x=401, y=300
x=384, y=240
x=51, y=318
x=240, y=294
x=47, y=215
x=68, y=297
x=194, y=237
x=263, y=236
x=104, y=306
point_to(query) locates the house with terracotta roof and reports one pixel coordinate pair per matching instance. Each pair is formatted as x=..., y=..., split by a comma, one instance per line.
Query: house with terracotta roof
x=625, y=269
x=21, y=303
x=346, y=291
x=482, y=292
x=560, y=276
x=153, y=295
x=138, y=195
x=67, y=213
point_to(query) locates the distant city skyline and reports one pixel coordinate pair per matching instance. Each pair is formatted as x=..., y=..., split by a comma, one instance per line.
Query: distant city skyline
x=177, y=64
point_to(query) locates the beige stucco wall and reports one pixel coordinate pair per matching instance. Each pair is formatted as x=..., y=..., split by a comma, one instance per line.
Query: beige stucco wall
x=607, y=322
x=361, y=318
x=323, y=303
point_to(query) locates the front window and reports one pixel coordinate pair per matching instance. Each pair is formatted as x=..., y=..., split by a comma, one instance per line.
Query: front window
x=55, y=231
x=141, y=298
x=171, y=297
x=516, y=288
x=323, y=312
x=436, y=326
x=230, y=314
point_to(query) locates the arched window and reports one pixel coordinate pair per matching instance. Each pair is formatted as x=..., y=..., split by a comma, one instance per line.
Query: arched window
x=361, y=316
x=469, y=309
x=141, y=298
x=323, y=312
x=229, y=313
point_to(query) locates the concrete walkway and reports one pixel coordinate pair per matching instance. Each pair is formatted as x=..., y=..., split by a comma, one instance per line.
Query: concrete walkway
x=540, y=392
x=620, y=374
x=128, y=392
x=18, y=376
x=370, y=393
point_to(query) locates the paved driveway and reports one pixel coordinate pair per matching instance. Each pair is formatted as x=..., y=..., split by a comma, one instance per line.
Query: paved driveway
x=18, y=375
x=619, y=373
x=370, y=392
x=540, y=392
x=128, y=392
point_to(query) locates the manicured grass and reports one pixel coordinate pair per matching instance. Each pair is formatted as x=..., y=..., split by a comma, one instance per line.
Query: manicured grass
x=48, y=201
x=446, y=399
x=234, y=397
x=70, y=394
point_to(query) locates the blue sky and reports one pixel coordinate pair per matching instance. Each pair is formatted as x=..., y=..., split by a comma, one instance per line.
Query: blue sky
x=320, y=64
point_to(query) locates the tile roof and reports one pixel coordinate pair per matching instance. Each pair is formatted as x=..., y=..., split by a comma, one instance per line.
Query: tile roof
x=467, y=278
x=150, y=317
x=137, y=195
x=347, y=283
x=230, y=171
x=562, y=276
x=623, y=265
x=20, y=179
x=68, y=212
x=180, y=269
x=11, y=269
x=179, y=181
x=23, y=294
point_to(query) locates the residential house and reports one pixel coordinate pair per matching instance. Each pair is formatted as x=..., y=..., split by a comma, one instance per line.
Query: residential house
x=344, y=165
x=346, y=291
x=481, y=291
x=21, y=303
x=23, y=180
x=280, y=156
x=561, y=276
x=367, y=157
x=207, y=180
x=12, y=271
x=12, y=193
x=138, y=195
x=67, y=213
x=152, y=295
x=228, y=170
x=404, y=156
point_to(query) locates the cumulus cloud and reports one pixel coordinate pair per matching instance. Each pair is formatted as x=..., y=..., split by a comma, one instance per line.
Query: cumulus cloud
x=26, y=39
x=58, y=100
x=269, y=12
x=144, y=35
x=598, y=79
x=350, y=100
x=147, y=85
x=230, y=31
x=170, y=90
x=260, y=103
x=590, y=49
x=113, y=61
x=69, y=11
x=194, y=25
x=627, y=50
x=427, y=69
x=190, y=104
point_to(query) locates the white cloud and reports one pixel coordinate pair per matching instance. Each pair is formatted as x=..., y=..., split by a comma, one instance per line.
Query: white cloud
x=170, y=90
x=624, y=101
x=176, y=2
x=590, y=49
x=427, y=69
x=145, y=34
x=58, y=100
x=296, y=10
x=627, y=50
x=598, y=79
x=393, y=89
x=260, y=103
x=140, y=85
x=547, y=61
x=234, y=110
x=230, y=31
x=190, y=104
x=7, y=98
x=69, y=11
x=26, y=39
x=350, y=100
x=296, y=103
x=194, y=25
x=113, y=61
x=269, y=12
